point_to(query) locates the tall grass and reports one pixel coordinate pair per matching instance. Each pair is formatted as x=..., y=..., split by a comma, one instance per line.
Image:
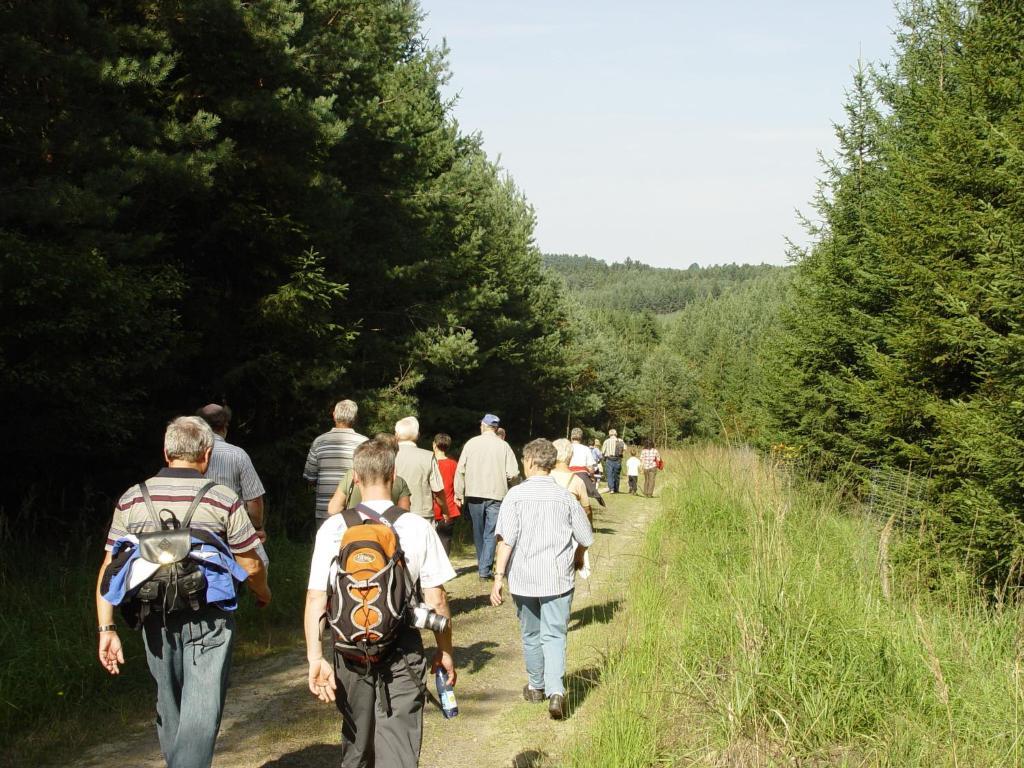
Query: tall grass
x=757, y=633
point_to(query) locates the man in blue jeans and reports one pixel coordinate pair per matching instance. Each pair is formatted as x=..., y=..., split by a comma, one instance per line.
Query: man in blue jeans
x=486, y=470
x=612, y=449
x=542, y=536
x=188, y=650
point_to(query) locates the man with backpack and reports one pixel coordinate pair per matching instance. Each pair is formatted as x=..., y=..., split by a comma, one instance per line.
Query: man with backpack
x=369, y=567
x=612, y=449
x=180, y=542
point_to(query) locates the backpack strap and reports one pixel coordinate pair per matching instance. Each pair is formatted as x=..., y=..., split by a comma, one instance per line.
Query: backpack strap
x=351, y=518
x=147, y=499
x=394, y=513
x=196, y=502
x=149, y=505
x=389, y=518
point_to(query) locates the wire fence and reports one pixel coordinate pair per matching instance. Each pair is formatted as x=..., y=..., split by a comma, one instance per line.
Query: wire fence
x=896, y=494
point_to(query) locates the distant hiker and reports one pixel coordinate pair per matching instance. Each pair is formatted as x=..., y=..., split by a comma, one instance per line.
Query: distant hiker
x=187, y=627
x=632, y=471
x=446, y=465
x=595, y=451
x=568, y=479
x=330, y=456
x=578, y=463
x=381, y=696
x=542, y=537
x=230, y=465
x=650, y=460
x=582, y=458
x=486, y=469
x=613, y=449
x=418, y=467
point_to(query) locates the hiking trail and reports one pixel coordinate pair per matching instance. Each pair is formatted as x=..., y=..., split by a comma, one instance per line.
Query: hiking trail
x=272, y=721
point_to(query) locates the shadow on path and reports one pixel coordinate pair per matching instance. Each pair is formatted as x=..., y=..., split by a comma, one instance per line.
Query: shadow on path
x=578, y=685
x=474, y=657
x=594, y=614
x=531, y=758
x=313, y=756
x=461, y=605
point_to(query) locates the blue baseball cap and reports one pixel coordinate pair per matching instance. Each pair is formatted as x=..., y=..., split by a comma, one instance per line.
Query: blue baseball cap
x=490, y=420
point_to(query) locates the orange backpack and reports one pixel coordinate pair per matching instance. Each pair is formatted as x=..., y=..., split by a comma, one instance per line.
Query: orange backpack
x=371, y=591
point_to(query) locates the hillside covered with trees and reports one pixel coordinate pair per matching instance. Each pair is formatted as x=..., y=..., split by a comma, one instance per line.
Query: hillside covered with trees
x=302, y=219
x=894, y=344
x=267, y=205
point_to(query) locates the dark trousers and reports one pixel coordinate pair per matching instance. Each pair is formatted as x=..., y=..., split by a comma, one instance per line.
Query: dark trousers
x=612, y=467
x=445, y=531
x=632, y=483
x=382, y=711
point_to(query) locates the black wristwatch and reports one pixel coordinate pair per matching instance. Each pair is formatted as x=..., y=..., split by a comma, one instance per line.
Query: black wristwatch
x=107, y=628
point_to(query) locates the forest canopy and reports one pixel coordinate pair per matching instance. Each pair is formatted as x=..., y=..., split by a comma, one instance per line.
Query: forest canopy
x=271, y=206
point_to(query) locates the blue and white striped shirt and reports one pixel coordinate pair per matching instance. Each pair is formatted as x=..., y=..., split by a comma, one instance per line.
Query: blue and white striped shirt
x=543, y=523
x=232, y=466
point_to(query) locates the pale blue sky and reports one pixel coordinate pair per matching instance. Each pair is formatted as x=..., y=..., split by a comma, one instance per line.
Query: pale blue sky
x=668, y=132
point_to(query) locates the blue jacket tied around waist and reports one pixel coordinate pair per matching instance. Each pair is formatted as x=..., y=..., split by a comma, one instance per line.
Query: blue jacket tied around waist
x=216, y=560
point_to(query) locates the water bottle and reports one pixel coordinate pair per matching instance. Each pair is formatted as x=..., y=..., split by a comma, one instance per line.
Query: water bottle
x=445, y=694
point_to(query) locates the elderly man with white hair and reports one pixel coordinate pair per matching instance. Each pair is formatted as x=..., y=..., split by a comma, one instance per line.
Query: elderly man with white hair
x=418, y=467
x=188, y=645
x=582, y=457
x=330, y=456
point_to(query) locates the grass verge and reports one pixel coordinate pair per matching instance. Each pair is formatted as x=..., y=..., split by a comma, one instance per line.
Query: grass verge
x=54, y=696
x=759, y=635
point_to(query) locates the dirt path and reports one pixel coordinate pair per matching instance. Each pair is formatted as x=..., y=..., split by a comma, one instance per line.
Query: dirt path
x=271, y=721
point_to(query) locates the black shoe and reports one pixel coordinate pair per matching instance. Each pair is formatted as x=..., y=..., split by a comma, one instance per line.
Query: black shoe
x=556, y=705
x=532, y=695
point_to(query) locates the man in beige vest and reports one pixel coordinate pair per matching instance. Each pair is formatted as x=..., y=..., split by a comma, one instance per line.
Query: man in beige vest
x=487, y=467
x=418, y=467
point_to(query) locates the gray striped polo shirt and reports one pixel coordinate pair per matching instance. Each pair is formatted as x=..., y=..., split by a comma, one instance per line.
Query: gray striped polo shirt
x=543, y=523
x=329, y=459
x=220, y=512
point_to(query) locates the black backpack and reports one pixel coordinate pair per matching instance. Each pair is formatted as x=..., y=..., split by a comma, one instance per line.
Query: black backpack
x=178, y=584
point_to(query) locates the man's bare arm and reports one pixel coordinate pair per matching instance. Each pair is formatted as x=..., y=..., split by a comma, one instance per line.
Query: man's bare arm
x=320, y=677
x=256, y=509
x=257, y=580
x=442, y=502
x=111, y=654
x=437, y=598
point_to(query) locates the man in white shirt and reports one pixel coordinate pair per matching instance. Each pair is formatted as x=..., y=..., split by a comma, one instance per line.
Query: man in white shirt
x=582, y=457
x=385, y=732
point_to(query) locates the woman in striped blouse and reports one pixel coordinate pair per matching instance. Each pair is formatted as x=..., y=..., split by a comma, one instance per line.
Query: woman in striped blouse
x=649, y=458
x=542, y=535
